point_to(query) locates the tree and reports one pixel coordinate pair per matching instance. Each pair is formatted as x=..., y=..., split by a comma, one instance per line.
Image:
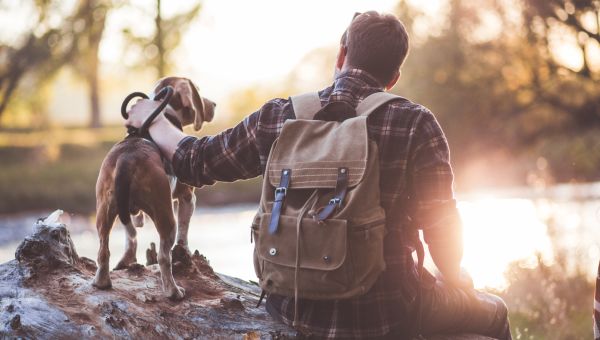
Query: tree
x=156, y=49
x=580, y=17
x=93, y=14
x=43, y=53
x=75, y=38
x=490, y=72
x=580, y=20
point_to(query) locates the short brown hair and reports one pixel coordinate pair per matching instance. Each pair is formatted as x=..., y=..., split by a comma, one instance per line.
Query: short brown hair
x=376, y=43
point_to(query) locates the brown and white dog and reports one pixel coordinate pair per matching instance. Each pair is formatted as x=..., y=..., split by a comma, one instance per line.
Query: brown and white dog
x=135, y=178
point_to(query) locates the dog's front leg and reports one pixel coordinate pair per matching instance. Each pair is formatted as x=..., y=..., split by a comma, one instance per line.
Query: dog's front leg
x=165, y=223
x=187, y=203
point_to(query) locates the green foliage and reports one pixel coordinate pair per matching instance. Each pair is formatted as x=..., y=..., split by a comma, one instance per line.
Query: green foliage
x=63, y=34
x=503, y=90
x=551, y=300
x=58, y=169
x=156, y=49
x=68, y=36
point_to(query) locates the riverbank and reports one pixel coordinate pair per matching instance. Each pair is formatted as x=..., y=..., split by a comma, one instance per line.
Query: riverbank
x=58, y=168
x=44, y=170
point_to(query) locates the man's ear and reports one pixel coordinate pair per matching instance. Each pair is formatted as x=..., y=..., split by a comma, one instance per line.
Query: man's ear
x=394, y=80
x=341, y=57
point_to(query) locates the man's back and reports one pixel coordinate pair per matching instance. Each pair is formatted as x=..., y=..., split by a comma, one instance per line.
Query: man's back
x=413, y=155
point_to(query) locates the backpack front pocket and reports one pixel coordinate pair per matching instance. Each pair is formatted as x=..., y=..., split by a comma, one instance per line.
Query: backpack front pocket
x=324, y=267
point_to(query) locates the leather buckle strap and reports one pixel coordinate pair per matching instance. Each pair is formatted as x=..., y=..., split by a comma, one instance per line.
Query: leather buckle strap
x=280, y=193
x=262, y=296
x=341, y=188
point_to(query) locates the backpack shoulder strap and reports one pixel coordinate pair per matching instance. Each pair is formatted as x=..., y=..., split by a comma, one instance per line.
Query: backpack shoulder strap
x=374, y=101
x=306, y=105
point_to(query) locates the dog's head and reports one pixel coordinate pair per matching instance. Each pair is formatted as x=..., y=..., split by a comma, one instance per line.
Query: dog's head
x=189, y=106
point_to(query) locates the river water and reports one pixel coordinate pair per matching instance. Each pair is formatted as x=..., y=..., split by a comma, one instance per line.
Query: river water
x=500, y=227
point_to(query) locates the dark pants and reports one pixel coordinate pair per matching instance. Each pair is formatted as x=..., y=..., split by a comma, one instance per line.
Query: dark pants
x=447, y=310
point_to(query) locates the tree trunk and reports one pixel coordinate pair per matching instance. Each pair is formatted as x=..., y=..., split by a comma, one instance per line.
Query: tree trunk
x=46, y=292
x=96, y=23
x=93, y=87
x=160, y=45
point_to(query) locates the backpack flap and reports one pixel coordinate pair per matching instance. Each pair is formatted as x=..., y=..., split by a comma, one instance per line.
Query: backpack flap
x=323, y=247
x=314, y=151
x=323, y=270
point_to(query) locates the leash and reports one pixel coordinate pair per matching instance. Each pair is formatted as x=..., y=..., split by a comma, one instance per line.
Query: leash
x=165, y=95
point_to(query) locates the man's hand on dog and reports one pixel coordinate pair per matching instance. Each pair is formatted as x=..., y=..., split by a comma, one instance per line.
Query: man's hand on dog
x=140, y=111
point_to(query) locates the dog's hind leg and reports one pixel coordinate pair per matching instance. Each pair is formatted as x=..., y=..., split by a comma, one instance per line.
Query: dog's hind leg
x=165, y=223
x=106, y=214
x=130, y=242
x=187, y=203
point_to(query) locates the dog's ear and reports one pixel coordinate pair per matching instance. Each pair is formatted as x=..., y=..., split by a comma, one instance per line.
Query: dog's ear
x=201, y=108
x=209, y=109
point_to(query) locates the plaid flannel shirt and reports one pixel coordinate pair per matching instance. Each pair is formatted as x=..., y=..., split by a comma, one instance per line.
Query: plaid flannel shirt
x=416, y=180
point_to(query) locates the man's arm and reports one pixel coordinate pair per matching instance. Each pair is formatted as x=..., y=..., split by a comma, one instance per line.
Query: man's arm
x=436, y=211
x=231, y=155
x=164, y=134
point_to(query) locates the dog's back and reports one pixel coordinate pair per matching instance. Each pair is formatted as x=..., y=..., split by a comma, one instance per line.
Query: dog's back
x=130, y=171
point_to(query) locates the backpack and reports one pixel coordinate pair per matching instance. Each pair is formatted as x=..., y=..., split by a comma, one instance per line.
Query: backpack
x=319, y=228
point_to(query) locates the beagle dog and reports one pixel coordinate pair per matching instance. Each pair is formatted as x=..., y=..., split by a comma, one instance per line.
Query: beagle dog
x=135, y=179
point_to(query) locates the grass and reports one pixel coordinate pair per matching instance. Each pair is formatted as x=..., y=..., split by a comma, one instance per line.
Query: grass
x=45, y=170
x=549, y=302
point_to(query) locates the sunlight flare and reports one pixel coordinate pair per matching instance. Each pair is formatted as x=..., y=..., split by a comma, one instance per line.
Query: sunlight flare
x=498, y=232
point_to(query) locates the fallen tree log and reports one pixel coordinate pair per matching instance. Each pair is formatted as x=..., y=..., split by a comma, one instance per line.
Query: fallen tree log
x=46, y=292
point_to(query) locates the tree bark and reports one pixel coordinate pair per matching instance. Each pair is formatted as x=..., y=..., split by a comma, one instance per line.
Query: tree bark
x=96, y=18
x=46, y=292
x=94, y=93
x=160, y=44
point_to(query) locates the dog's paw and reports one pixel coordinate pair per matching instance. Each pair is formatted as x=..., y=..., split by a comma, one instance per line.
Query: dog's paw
x=102, y=283
x=176, y=293
x=124, y=264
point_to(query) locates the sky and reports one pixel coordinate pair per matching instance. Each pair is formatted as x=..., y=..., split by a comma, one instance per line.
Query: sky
x=234, y=44
x=231, y=45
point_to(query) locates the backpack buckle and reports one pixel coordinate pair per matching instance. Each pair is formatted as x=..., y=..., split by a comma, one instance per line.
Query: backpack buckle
x=281, y=190
x=280, y=193
x=336, y=201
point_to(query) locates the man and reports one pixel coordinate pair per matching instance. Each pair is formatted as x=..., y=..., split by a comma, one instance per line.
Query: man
x=416, y=190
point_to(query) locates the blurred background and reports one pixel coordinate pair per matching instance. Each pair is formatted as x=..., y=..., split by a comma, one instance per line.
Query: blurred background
x=514, y=84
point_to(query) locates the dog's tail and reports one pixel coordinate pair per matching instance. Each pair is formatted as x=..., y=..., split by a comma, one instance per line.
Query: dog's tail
x=122, y=190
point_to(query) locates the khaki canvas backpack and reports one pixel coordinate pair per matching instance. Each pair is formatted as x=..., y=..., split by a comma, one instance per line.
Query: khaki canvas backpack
x=319, y=229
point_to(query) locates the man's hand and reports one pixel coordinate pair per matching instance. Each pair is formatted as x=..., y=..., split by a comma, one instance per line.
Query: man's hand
x=140, y=111
x=164, y=134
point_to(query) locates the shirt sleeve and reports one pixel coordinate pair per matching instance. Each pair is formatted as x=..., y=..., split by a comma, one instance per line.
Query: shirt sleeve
x=435, y=207
x=226, y=157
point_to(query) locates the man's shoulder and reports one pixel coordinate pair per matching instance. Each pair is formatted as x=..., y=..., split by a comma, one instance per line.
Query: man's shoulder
x=282, y=107
x=403, y=108
x=406, y=105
